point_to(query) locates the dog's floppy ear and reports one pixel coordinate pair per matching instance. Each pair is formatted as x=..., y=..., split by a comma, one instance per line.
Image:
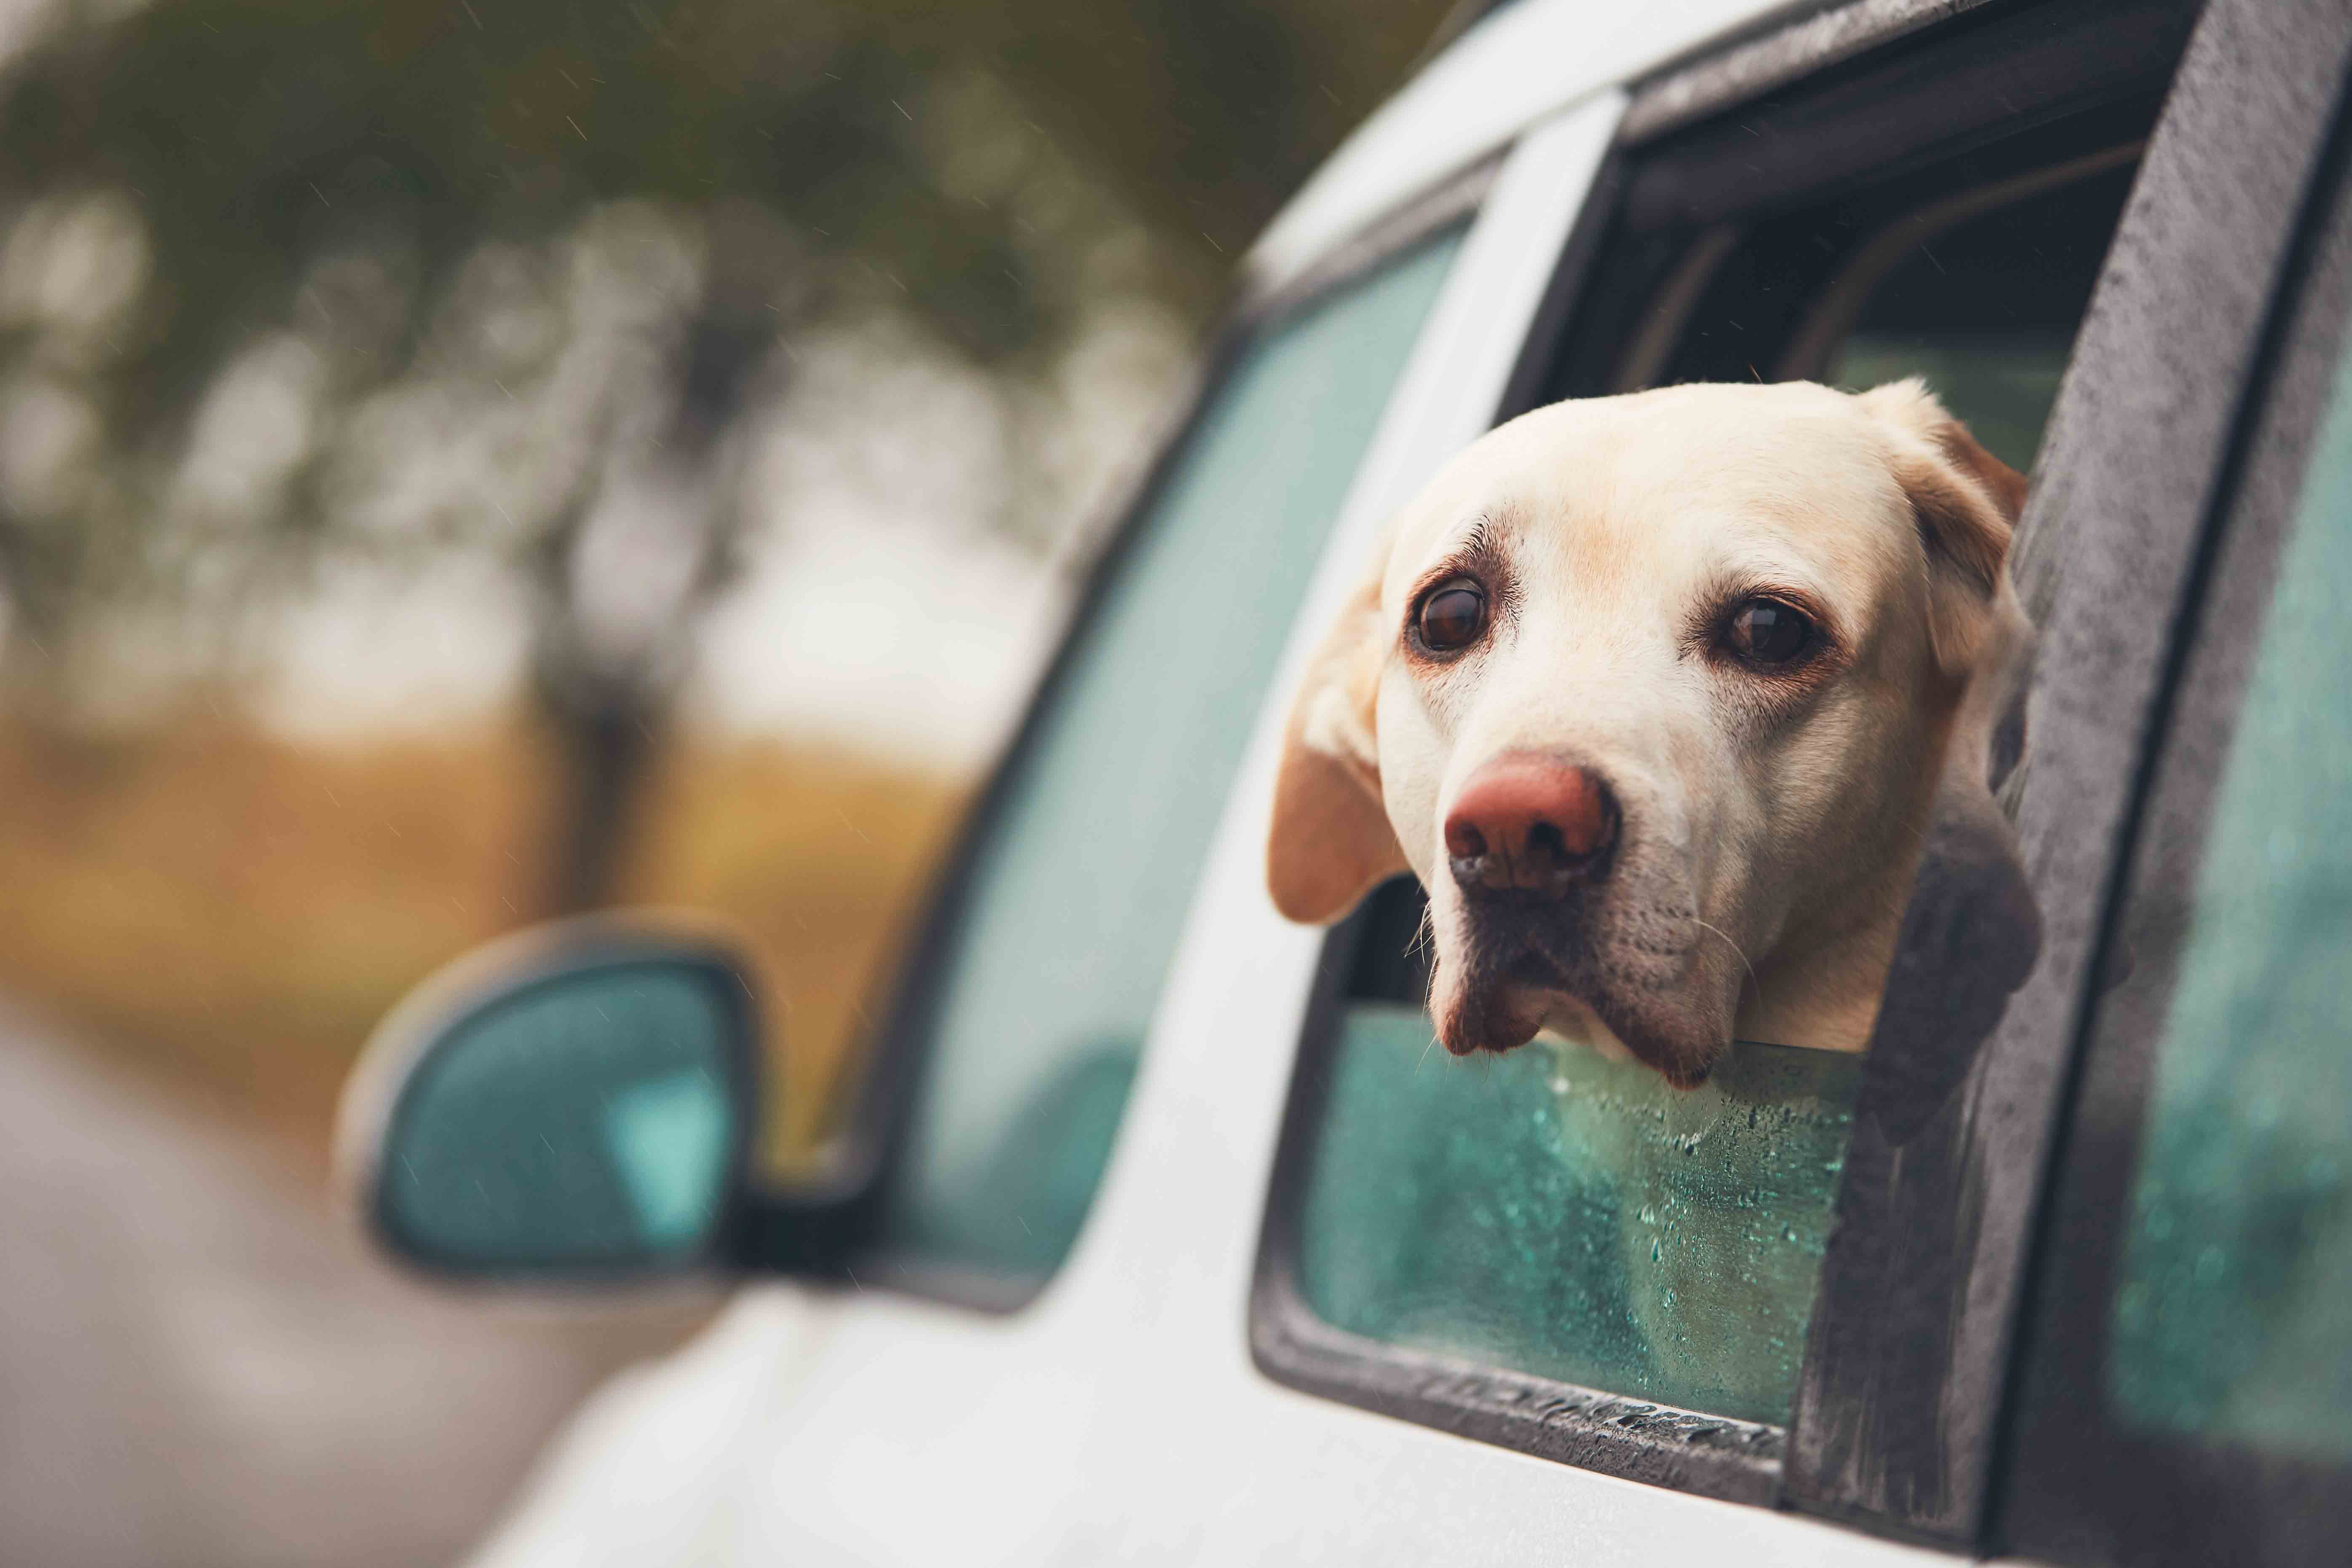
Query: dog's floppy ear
x=1966, y=501
x=1971, y=931
x=1331, y=842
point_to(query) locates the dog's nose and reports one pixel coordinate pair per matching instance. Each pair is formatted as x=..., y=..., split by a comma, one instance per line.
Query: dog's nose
x=1532, y=825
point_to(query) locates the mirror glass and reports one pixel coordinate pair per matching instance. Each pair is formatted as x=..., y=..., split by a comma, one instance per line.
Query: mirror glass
x=589, y=1121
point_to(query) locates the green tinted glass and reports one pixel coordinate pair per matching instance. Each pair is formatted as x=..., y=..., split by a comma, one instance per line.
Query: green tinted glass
x=587, y=1121
x=1553, y=1213
x=2232, y=1317
x=1081, y=885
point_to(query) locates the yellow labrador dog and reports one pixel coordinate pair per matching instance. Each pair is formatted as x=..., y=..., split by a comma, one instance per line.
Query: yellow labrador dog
x=1653, y=693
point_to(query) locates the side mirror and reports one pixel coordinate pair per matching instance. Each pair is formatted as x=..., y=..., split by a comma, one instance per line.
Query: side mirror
x=577, y=1101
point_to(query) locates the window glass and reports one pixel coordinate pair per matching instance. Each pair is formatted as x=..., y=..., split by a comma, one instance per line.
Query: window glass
x=1555, y=1212
x=2232, y=1320
x=1081, y=886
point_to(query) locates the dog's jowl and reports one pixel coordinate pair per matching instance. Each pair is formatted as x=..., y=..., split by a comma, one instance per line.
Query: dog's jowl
x=1653, y=694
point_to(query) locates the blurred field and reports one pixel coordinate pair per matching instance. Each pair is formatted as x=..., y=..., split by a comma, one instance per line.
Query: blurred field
x=232, y=911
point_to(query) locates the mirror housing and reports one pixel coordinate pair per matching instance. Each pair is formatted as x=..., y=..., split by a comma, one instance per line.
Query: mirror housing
x=576, y=1101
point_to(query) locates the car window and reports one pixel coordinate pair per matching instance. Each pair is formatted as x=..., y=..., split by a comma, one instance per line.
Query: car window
x=1556, y=1212
x=1553, y=1214
x=1082, y=875
x=1560, y=1213
x=2232, y=1312
x=2187, y=1393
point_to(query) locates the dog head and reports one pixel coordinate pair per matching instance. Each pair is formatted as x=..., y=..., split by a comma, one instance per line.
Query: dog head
x=1652, y=692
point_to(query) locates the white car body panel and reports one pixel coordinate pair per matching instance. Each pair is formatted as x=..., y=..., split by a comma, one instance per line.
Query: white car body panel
x=1520, y=65
x=1119, y=1417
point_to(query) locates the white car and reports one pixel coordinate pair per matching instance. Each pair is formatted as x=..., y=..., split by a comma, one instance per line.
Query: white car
x=1159, y=1234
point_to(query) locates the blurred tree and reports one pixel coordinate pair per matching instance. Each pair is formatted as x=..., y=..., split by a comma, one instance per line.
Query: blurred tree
x=289, y=278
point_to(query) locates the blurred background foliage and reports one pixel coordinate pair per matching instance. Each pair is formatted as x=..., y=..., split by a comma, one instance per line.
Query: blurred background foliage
x=466, y=460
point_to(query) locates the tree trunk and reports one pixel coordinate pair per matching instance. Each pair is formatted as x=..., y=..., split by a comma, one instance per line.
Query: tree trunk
x=605, y=750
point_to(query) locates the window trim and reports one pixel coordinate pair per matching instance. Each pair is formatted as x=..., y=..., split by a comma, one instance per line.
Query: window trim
x=1636, y=1439
x=2075, y=1484
x=1733, y=70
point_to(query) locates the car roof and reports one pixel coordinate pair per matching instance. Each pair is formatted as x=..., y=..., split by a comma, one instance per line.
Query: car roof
x=1519, y=64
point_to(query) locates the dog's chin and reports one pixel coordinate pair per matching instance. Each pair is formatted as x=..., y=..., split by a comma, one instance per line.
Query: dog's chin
x=1500, y=1016
x=1668, y=1029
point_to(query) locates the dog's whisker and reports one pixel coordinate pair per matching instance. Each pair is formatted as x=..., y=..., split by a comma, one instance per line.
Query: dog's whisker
x=1424, y=931
x=1753, y=983
x=1424, y=941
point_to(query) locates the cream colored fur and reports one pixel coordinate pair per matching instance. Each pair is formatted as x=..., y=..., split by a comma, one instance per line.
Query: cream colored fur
x=1769, y=834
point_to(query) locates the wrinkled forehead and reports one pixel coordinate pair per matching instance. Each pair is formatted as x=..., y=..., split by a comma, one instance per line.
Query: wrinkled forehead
x=1651, y=490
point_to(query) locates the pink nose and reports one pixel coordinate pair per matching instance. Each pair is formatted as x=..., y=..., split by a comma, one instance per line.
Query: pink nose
x=1532, y=825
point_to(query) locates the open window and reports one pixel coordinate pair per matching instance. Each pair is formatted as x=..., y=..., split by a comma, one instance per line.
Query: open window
x=1551, y=1250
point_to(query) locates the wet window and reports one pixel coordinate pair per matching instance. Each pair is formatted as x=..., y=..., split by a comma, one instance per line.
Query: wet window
x=1555, y=1212
x=2232, y=1316
x=1081, y=884
x=2187, y=1368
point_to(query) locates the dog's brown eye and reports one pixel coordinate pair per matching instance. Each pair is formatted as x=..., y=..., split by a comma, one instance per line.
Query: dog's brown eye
x=1769, y=632
x=1452, y=616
